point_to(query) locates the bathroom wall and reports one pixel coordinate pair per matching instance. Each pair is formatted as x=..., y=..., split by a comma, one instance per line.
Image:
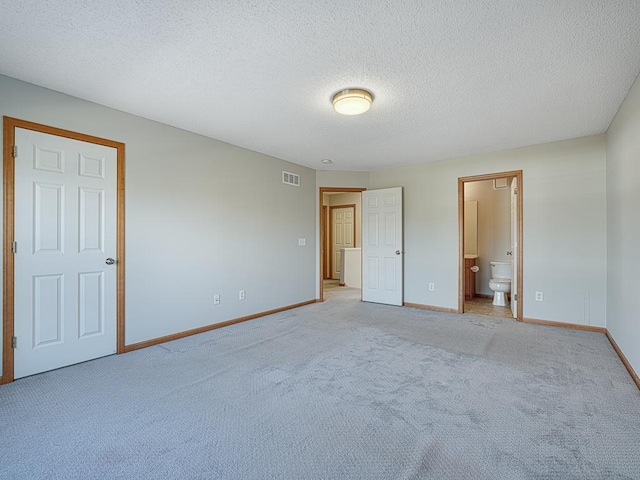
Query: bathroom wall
x=471, y=228
x=564, y=244
x=623, y=199
x=494, y=228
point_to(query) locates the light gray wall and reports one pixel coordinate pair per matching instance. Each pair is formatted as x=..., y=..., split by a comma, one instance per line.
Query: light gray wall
x=564, y=226
x=325, y=178
x=202, y=217
x=494, y=228
x=623, y=200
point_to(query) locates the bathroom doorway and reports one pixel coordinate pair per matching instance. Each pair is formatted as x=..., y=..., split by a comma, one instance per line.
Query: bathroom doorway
x=340, y=231
x=490, y=233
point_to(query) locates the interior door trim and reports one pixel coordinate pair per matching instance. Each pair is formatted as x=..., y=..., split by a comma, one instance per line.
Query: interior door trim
x=8, y=288
x=519, y=202
x=324, y=241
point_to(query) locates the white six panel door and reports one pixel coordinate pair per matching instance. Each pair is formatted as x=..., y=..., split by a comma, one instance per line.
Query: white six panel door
x=343, y=237
x=382, y=256
x=65, y=229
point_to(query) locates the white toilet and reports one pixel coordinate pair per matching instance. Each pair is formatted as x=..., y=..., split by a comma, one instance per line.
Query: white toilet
x=500, y=282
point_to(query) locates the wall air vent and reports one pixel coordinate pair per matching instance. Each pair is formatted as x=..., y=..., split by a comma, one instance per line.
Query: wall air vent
x=291, y=178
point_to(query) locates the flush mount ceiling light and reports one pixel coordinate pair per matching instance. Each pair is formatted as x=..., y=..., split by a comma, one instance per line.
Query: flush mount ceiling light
x=326, y=161
x=352, y=101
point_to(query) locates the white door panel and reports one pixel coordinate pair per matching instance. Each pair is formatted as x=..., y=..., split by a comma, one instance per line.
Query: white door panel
x=382, y=244
x=343, y=228
x=65, y=228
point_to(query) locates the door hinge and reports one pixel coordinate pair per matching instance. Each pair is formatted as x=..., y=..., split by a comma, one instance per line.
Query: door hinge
x=14, y=153
x=14, y=342
x=14, y=247
x=515, y=191
x=515, y=297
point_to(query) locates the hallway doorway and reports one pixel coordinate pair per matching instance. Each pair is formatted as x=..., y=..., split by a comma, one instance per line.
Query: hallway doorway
x=340, y=228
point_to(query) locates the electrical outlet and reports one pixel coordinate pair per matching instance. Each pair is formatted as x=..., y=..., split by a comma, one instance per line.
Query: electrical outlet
x=216, y=299
x=432, y=287
x=241, y=295
x=539, y=297
x=302, y=242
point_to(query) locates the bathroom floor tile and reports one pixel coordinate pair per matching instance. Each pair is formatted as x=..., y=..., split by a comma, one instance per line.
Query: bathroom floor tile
x=484, y=306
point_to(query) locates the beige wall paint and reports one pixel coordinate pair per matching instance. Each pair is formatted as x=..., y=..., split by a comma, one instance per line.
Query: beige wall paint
x=623, y=199
x=494, y=228
x=200, y=217
x=564, y=226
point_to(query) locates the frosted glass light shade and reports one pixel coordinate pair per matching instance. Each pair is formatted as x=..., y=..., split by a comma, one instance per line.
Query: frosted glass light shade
x=352, y=101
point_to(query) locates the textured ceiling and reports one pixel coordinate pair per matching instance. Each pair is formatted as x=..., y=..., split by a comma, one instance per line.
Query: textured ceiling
x=449, y=78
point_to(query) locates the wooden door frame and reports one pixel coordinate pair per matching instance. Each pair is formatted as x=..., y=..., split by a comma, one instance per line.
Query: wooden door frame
x=322, y=191
x=331, y=207
x=519, y=202
x=8, y=273
x=324, y=241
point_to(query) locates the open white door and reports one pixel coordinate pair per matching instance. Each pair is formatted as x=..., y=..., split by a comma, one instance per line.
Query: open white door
x=382, y=262
x=65, y=229
x=514, y=248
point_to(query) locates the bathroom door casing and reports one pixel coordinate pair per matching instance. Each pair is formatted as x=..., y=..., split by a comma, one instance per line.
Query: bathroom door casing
x=382, y=246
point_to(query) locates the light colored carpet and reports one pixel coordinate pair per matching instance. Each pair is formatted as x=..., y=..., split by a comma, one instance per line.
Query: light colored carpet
x=339, y=390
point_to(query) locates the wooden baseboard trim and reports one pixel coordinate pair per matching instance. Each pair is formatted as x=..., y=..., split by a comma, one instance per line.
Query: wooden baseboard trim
x=430, y=307
x=625, y=362
x=195, y=331
x=572, y=326
x=341, y=284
